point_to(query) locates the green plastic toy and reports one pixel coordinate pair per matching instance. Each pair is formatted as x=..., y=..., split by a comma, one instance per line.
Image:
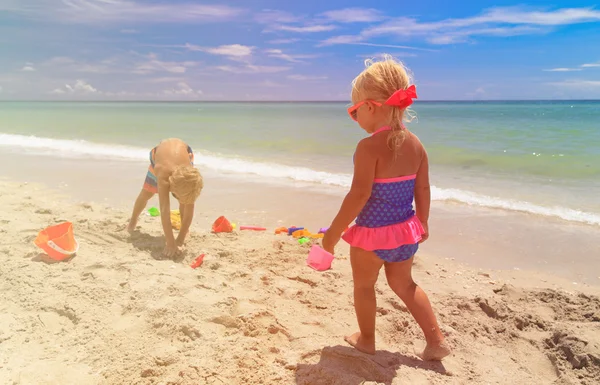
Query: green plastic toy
x=153, y=211
x=303, y=240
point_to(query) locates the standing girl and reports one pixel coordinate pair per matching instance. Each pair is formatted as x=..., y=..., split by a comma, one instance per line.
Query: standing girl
x=390, y=170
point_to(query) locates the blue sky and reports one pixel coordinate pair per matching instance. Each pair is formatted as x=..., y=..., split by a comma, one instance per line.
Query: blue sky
x=288, y=50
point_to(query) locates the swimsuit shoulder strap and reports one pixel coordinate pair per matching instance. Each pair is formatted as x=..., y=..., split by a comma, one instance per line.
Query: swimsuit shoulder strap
x=384, y=128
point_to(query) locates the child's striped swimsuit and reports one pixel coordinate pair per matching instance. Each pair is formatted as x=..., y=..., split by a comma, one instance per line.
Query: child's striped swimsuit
x=151, y=184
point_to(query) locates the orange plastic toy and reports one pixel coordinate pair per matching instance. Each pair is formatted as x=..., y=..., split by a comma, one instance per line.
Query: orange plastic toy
x=58, y=241
x=281, y=230
x=222, y=225
x=306, y=234
x=197, y=262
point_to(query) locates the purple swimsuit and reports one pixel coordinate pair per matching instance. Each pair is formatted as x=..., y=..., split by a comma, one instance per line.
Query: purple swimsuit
x=387, y=225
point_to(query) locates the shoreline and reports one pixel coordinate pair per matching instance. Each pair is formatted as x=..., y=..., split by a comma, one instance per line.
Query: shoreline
x=464, y=182
x=483, y=238
x=254, y=313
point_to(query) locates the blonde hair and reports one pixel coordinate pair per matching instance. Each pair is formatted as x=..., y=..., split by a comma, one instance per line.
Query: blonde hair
x=378, y=81
x=186, y=183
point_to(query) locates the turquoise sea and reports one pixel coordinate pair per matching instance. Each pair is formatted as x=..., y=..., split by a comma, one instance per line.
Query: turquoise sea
x=541, y=157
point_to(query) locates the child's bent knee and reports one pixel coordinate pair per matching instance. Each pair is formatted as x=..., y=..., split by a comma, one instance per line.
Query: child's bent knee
x=403, y=287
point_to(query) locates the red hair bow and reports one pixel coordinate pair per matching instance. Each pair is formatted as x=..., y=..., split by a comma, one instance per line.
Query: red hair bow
x=402, y=98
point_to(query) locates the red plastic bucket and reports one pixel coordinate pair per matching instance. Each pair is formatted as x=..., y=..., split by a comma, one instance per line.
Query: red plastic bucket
x=58, y=241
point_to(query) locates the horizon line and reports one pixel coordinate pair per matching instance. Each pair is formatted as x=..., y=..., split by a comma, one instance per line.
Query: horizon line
x=286, y=101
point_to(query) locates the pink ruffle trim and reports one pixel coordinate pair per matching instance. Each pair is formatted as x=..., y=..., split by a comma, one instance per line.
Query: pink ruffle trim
x=389, y=237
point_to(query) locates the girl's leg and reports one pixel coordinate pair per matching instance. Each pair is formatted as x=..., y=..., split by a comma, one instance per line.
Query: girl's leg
x=400, y=279
x=365, y=270
x=138, y=207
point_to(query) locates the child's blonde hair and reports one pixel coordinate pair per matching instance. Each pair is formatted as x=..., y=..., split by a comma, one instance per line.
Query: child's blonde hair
x=378, y=82
x=186, y=183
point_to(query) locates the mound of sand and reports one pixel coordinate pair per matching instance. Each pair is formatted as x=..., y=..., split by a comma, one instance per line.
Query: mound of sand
x=253, y=313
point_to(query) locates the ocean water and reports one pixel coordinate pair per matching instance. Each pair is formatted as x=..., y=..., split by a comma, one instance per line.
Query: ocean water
x=537, y=157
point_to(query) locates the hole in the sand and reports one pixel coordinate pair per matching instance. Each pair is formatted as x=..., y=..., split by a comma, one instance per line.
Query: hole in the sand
x=153, y=245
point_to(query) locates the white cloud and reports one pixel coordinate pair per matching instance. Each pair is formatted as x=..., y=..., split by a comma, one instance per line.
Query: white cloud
x=28, y=68
x=269, y=84
x=80, y=87
x=562, y=69
x=305, y=29
x=383, y=54
x=166, y=79
x=355, y=40
x=306, y=77
x=139, y=64
x=279, y=54
x=94, y=68
x=252, y=69
x=518, y=15
x=478, y=93
x=569, y=69
x=61, y=60
x=231, y=50
x=271, y=16
x=499, y=21
x=283, y=41
x=354, y=15
x=128, y=11
x=67, y=64
x=182, y=89
x=129, y=31
x=582, y=84
x=342, y=39
x=153, y=65
x=464, y=35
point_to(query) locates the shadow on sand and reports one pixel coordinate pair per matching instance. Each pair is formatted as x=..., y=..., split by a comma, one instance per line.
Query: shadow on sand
x=153, y=245
x=357, y=367
x=45, y=258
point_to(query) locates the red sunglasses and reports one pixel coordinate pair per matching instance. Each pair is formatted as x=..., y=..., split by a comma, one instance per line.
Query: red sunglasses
x=352, y=111
x=401, y=99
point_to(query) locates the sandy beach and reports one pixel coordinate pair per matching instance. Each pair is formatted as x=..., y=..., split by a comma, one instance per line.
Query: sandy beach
x=287, y=108
x=254, y=313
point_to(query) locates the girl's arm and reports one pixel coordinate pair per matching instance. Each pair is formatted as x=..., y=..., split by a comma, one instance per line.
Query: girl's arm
x=187, y=214
x=360, y=191
x=423, y=193
x=164, y=202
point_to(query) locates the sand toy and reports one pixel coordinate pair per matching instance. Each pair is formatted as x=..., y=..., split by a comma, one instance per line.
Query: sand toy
x=222, y=225
x=293, y=229
x=281, y=230
x=176, y=219
x=153, y=211
x=306, y=234
x=254, y=228
x=58, y=241
x=198, y=261
x=319, y=259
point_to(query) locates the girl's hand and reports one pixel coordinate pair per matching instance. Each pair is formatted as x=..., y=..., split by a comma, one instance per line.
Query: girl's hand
x=330, y=241
x=171, y=251
x=425, y=236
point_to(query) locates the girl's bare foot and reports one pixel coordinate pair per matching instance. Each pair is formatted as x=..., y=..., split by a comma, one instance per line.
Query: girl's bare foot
x=361, y=344
x=434, y=352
